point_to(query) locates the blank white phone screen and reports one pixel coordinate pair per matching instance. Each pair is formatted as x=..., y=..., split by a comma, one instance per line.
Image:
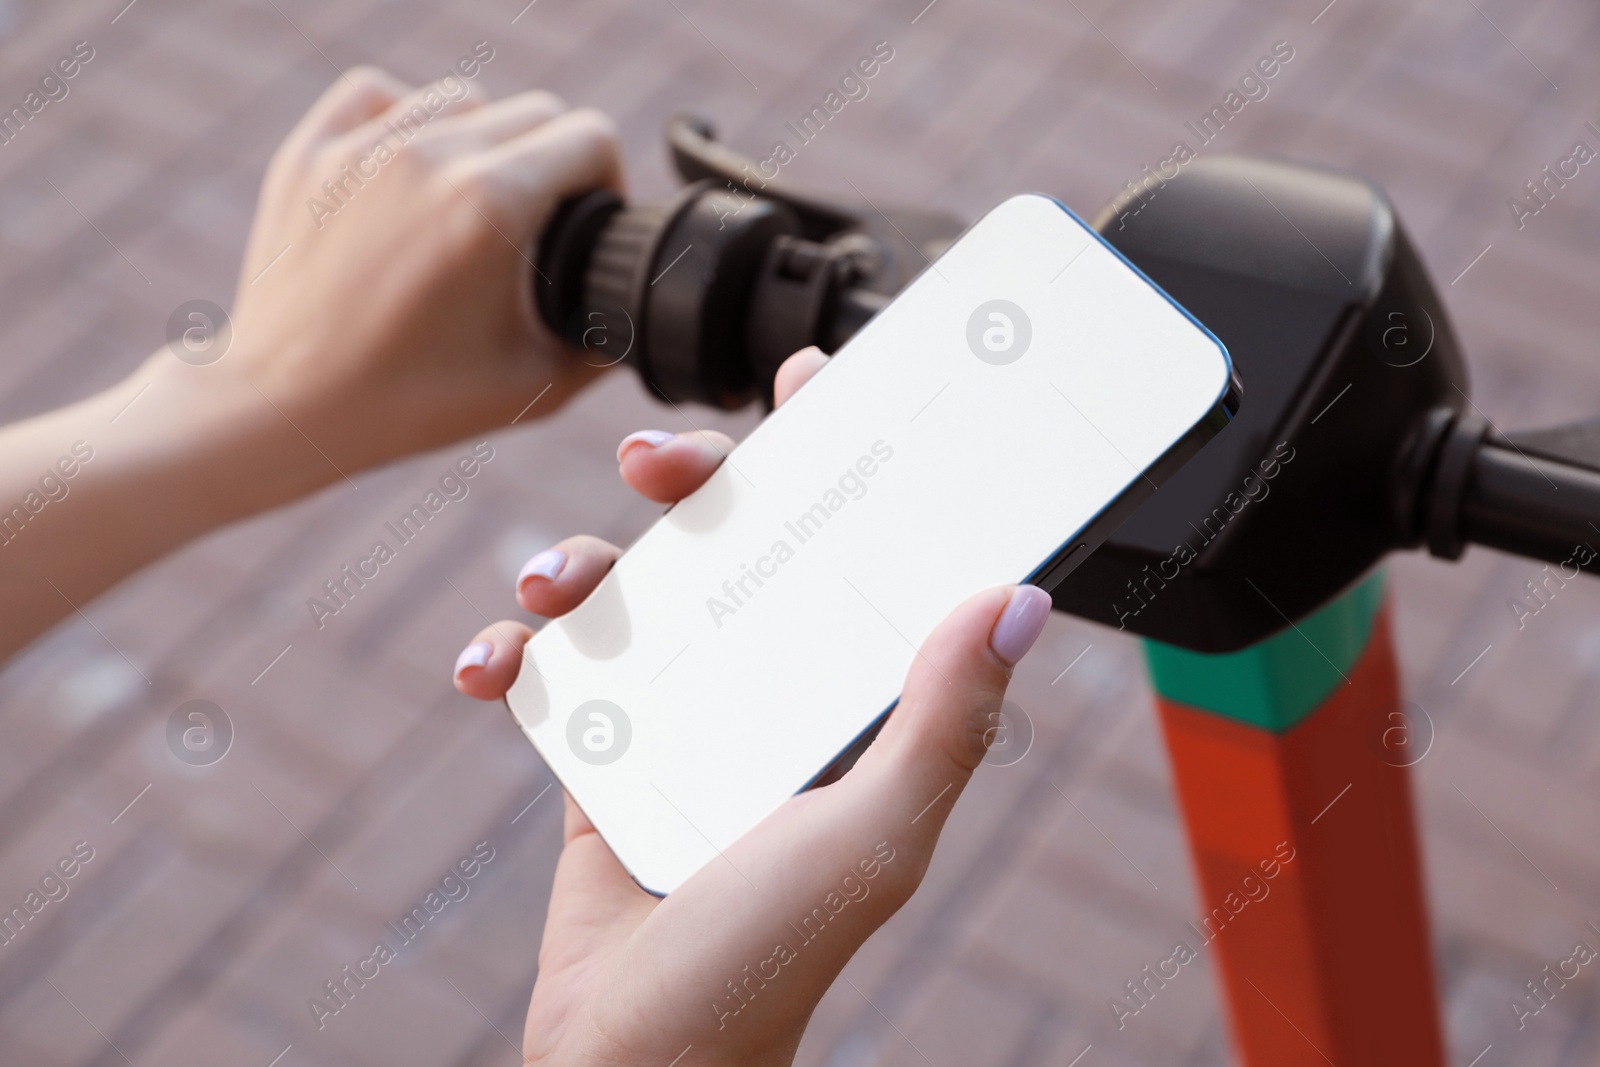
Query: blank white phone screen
x=975, y=425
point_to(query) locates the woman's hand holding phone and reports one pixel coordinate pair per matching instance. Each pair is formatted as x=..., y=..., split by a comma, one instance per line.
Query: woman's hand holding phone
x=728, y=969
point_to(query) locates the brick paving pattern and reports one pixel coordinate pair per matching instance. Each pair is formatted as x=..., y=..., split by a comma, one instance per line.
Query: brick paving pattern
x=225, y=896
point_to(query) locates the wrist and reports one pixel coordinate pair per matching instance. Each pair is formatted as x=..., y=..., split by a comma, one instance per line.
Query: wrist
x=210, y=434
x=102, y=487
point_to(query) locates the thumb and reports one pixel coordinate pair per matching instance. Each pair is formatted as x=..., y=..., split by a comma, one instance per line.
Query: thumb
x=843, y=843
x=938, y=733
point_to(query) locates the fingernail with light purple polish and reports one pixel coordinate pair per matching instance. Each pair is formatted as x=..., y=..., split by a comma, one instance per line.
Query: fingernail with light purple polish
x=547, y=565
x=653, y=438
x=1020, y=623
x=474, y=655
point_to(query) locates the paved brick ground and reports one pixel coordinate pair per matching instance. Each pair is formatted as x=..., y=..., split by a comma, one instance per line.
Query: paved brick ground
x=225, y=896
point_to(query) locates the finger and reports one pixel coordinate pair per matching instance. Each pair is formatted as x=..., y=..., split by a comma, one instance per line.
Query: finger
x=501, y=120
x=415, y=111
x=488, y=666
x=359, y=95
x=937, y=734
x=795, y=372
x=666, y=467
x=527, y=176
x=556, y=580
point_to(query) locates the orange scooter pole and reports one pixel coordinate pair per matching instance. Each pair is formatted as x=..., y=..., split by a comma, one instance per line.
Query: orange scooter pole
x=1290, y=763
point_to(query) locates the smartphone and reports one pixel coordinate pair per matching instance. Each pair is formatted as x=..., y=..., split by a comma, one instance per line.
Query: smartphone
x=992, y=424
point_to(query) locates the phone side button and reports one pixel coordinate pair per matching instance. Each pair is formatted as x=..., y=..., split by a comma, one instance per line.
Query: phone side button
x=1061, y=567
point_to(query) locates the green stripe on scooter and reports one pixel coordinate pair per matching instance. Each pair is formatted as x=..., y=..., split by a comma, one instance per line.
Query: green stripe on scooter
x=1275, y=683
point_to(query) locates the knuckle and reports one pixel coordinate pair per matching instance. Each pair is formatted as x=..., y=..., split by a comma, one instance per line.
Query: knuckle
x=544, y=100
x=459, y=176
x=414, y=157
x=965, y=742
x=596, y=128
x=968, y=744
x=898, y=882
x=365, y=75
x=366, y=83
x=464, y=205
